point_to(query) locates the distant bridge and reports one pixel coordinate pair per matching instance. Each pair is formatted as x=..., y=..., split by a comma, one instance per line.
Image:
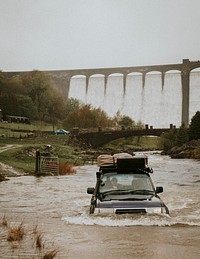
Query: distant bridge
x=62, y=78
x=97, y=139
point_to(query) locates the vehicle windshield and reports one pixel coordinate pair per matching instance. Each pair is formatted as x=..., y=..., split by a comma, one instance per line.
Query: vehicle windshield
x=125, y=183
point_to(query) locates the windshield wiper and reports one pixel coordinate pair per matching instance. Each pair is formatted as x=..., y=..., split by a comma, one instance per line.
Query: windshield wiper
x=145, y=192
x=106, y=194
x=116, y=192
x=113, y=192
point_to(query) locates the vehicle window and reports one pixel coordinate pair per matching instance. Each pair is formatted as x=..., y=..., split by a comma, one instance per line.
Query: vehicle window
x=125, y=182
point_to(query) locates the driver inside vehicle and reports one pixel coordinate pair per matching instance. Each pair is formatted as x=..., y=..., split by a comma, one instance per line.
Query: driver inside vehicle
x=114, y=183
x=110, y=183
x=138, y=184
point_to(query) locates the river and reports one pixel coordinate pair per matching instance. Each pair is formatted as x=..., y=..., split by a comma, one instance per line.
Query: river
x=58, y=207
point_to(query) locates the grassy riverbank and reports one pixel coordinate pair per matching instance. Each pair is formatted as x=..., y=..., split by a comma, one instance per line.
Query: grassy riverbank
x=135, y=144
x=22, y=155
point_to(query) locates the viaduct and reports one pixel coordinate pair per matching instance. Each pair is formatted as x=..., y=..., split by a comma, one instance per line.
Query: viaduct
x=62, y=78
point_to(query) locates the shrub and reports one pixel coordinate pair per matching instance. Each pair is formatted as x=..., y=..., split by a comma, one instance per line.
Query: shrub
x=194, y=129
x=15, y=233
x=66, y=169
x=38, y=240
x=50, y=255
x=4, y=221
x=196, y=153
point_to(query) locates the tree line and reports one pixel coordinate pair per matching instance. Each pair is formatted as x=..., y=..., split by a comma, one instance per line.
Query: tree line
x=182, y=135
x=35, y=95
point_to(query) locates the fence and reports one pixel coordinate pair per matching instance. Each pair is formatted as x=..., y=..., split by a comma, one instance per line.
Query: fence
x=46, y=164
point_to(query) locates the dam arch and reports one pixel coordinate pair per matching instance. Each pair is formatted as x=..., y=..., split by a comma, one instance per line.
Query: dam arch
x=62, y=78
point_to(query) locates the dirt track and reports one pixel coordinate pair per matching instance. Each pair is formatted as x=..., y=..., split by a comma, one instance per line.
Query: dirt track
x=6, y=170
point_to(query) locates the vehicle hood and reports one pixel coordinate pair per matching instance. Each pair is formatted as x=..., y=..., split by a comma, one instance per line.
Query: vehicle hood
x=128, y=204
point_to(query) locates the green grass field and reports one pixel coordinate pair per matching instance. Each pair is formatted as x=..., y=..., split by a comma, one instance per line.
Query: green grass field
x=23, y=157
x=135, y=143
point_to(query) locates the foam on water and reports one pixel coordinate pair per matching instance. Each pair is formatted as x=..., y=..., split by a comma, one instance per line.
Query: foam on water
x=132, y=220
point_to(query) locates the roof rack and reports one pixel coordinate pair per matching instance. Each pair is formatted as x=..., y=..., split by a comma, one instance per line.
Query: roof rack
x=123, y=163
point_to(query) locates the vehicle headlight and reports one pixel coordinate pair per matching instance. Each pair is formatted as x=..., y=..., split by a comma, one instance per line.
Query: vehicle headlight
x=156, y=210
x=104, y=211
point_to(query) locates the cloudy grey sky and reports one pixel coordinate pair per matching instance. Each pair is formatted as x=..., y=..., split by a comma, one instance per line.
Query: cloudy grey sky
x=72, y=34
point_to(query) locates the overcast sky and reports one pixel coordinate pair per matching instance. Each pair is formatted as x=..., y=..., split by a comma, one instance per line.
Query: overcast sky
x=72, y=34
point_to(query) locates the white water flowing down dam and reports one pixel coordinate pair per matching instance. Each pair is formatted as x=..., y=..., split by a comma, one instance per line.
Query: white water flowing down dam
x=152, y=104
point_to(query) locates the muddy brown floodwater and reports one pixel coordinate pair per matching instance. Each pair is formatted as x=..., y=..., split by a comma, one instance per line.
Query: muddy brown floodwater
x=58, y=207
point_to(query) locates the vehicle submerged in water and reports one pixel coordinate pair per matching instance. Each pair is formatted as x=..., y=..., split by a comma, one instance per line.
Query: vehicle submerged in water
x=124, y=186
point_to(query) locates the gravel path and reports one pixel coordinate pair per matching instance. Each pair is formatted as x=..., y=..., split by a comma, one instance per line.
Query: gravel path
x=6, y=170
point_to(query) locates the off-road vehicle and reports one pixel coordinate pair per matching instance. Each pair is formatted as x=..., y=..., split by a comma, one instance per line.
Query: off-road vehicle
x=123, y=185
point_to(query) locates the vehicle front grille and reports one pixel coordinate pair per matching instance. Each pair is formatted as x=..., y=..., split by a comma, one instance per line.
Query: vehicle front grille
x=130, y=211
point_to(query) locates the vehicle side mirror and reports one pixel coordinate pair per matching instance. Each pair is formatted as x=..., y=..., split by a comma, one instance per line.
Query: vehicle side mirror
x=90, y=190
x=159, y=189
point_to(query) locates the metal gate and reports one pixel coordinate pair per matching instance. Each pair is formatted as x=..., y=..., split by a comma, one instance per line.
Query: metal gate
x=49, y=165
